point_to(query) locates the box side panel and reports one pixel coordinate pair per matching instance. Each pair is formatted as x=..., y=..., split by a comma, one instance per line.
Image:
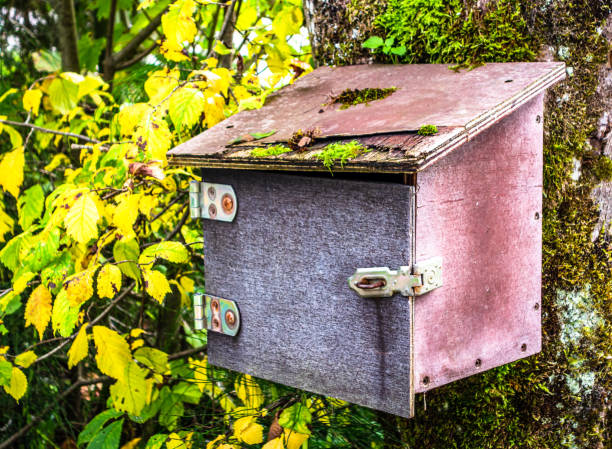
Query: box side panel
x=480, y=209
x=285, y=260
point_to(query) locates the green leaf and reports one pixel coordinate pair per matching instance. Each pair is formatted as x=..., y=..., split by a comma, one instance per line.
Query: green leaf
x=127, y=250
x=171, y=408
x=399, y=51
x=297, y=417
x=130, y=393
x=47, y=61
x=64, y=317
x=9, y=255
x=373, y=42
x=152, y=358
x=251, y=137
x=93, y=427
x=41, y=250
x=388, y=42
x=174, y=252
x=6, y=370
x=156, y=441
x=30, y=205
x=188, y=392
x=108, y=438
x=63, y=95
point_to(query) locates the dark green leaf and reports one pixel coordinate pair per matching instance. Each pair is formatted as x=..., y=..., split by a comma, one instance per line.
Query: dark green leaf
x=108, y=438
x=94, y=426
x=297, y=417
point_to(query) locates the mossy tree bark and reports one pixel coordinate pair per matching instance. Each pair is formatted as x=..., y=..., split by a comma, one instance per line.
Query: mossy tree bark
x=563, y=396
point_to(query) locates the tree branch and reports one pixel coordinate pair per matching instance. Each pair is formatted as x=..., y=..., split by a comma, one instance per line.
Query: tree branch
x=50, y=131
x=25, y=429
x=135, y=59
x=131, y=47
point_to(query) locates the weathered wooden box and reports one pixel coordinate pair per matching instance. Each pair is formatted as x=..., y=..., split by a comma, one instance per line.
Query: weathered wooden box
x=458, y=212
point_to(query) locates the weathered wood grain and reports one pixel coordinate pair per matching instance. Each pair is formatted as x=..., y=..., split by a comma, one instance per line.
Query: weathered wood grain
x=285, y=260
x=480, y=209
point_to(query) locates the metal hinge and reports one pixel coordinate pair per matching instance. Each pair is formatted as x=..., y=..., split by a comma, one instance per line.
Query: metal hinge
x=216, y=314
x=212, y=201
x=381, y=282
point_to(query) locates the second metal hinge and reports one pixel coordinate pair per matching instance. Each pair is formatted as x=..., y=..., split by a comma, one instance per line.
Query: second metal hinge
x=382, y=282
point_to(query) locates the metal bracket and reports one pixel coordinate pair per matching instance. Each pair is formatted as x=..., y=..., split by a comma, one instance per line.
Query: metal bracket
x=212, y=201
x=381, y=282
x=216, y=314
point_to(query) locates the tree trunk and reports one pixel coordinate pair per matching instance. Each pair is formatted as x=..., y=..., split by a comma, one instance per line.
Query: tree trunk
x=68, y=35
x=561, y=397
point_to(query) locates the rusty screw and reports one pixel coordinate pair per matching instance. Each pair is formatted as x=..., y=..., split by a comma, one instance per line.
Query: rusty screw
x=215, y=305
x=212, y=193
x=212, y=211
x=230, y=318
x=227, y=202
x=215, y=323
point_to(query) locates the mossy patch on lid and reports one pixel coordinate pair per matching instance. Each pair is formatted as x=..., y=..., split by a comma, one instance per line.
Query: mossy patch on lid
x=351, y=97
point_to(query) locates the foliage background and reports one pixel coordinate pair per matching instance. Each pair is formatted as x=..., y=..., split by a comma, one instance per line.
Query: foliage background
x=99, y=256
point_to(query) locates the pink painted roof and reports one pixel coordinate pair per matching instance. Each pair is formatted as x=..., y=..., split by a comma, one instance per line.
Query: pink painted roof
x=461, y=104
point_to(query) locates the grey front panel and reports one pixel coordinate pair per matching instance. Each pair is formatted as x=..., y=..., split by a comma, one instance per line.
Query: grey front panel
x=285, y=260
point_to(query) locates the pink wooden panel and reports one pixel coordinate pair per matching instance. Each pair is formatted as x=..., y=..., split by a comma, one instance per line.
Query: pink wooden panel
x=480, y=209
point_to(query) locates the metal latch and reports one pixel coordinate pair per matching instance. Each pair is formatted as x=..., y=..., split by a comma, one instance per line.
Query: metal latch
x=215, y=314
x=212, y=201
x=381, y=282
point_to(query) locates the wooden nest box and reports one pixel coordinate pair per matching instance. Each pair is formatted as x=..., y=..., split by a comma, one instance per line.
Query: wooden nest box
x=415, y=264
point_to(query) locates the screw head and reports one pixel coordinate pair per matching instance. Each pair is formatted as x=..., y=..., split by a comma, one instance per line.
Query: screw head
x=227, y=202
x=212, y=193
x=214, y=305
x=212, y=211
x=230, y=318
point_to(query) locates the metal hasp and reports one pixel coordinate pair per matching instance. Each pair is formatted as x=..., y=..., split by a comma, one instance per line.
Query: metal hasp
x=381, y=282
x=216, y=314
x=212, y=201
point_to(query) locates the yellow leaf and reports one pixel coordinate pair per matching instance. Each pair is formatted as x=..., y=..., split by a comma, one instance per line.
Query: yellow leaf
x=185, y=107
x=221, y=49
x=11, y=170
x=81, y=219
x=248, y=430
x=217, y=443
x=113, y=354
x=79, y=288
x=90, y=84
x=147, y=203
x=79, y=349
x=126, y=213
x=21, y=282
x=130, y=116
x=247, y=17
x=213, y=110
x=137, y=344
x=249, y=392
x=109, y=281
x=276, y=443
x=129, y=393
x=156, y=284
x=160, y=84
x=175, y=442
x=155, y=138
x=25, y=359
x=293, y=439
x=18, y=385
x=136, y=332
x=58, y=159
x=31, y=100
x=38, y=309
x=6, y=223
x=131, y=444
x=178, y=25
x=288, y=21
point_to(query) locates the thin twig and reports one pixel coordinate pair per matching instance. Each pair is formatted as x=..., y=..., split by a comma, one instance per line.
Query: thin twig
x=50, y=131
x=179, y=225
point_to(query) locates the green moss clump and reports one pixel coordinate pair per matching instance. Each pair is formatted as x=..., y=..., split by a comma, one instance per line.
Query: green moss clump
x=340, y=152
x=351, y=97
x=427, y=130
x=273, y=150
x=603, y=169
x=457, y=32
